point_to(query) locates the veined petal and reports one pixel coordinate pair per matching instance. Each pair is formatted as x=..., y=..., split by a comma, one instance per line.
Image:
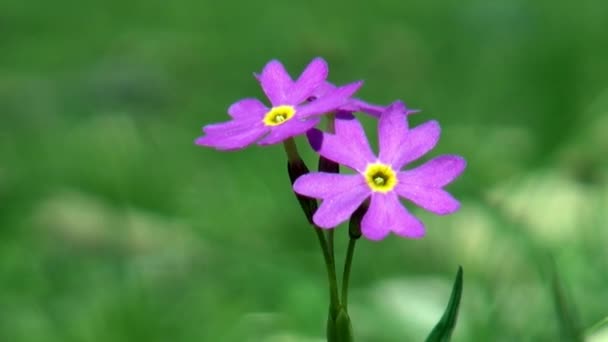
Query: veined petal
x=348, y=146
x=331, y=101
x=231, y=135
x=311, y=78
x=324, y=185
x=290, y=128
x=435, y=200
x=337, y=209
x=436, y=172
x=418, y=141
x=386, y=214
x=275, y=82
x=247, y=108
x=392, y=129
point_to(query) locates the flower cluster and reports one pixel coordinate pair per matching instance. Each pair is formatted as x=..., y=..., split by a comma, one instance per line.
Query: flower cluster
x=379, y=181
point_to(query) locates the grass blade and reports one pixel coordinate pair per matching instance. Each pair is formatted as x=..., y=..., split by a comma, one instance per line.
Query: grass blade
x=442, y=332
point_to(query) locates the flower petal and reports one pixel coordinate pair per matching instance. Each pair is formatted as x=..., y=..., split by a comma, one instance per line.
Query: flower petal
x=324, y=185
x=232, y=135
x=311, y=78
x=322, y=90
x=348, y=146
x=357, y=105
x=435, y=200
x=331, y=101
x=392, y=130
x=352, y=105
x=418, y=141
x=386, y=214
x=275, y=82
x=435, y=173
x=247, y=108
x=229, y=127
x=290, y=128
x=337, y=209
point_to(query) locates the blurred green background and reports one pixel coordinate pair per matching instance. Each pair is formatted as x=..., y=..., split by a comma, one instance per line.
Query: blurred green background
x=116, y=227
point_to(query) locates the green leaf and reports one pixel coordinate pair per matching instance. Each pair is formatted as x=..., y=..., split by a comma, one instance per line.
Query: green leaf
x=569, y=324
x=442, y=332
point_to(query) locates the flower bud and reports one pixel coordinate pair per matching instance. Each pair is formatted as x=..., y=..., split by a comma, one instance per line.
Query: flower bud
x=297, y=168
x=326, y=165
x=354, y=225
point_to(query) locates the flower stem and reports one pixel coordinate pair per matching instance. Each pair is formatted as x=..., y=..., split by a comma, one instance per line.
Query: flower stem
x=331, y=269
x=350, y=252
x=330, y=244
x=291, y=150
x=297, y=168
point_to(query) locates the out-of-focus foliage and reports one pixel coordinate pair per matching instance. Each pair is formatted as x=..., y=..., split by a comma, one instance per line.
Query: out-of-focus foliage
x=115, y=227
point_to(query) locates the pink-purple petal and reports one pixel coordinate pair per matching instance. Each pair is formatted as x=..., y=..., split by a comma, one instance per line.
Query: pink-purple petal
x=235, y=135
x=247, y=108
x=436, y=172
x=331, y=147
x=357, y=105
x=338, y=208
x=348, y=146
x=352, y=105
x=290, y=128
x=392, y=129
x=330, y=101
x=324, y=185
x=322, y=90
x=417, y=142
x=275, y=82
x=230, y=127
x=435, y=200
x=386, y=214
x=351, y=133
x=311, y=78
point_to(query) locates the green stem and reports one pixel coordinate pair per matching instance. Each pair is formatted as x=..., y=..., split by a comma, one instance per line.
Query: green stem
x=291, y=149
x=327, y=246
x=331, y=123
x=350, y=252
x=330, y=244
x=331, y=270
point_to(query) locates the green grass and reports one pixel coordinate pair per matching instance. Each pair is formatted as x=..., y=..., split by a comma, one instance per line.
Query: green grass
x=115, y=227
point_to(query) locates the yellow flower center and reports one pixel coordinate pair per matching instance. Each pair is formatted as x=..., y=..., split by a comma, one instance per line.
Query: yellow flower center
x=278, y=115
x=380, y=177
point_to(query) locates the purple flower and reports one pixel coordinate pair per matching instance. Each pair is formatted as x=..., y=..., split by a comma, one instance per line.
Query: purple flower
x=290, y=114
x=380, y=178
